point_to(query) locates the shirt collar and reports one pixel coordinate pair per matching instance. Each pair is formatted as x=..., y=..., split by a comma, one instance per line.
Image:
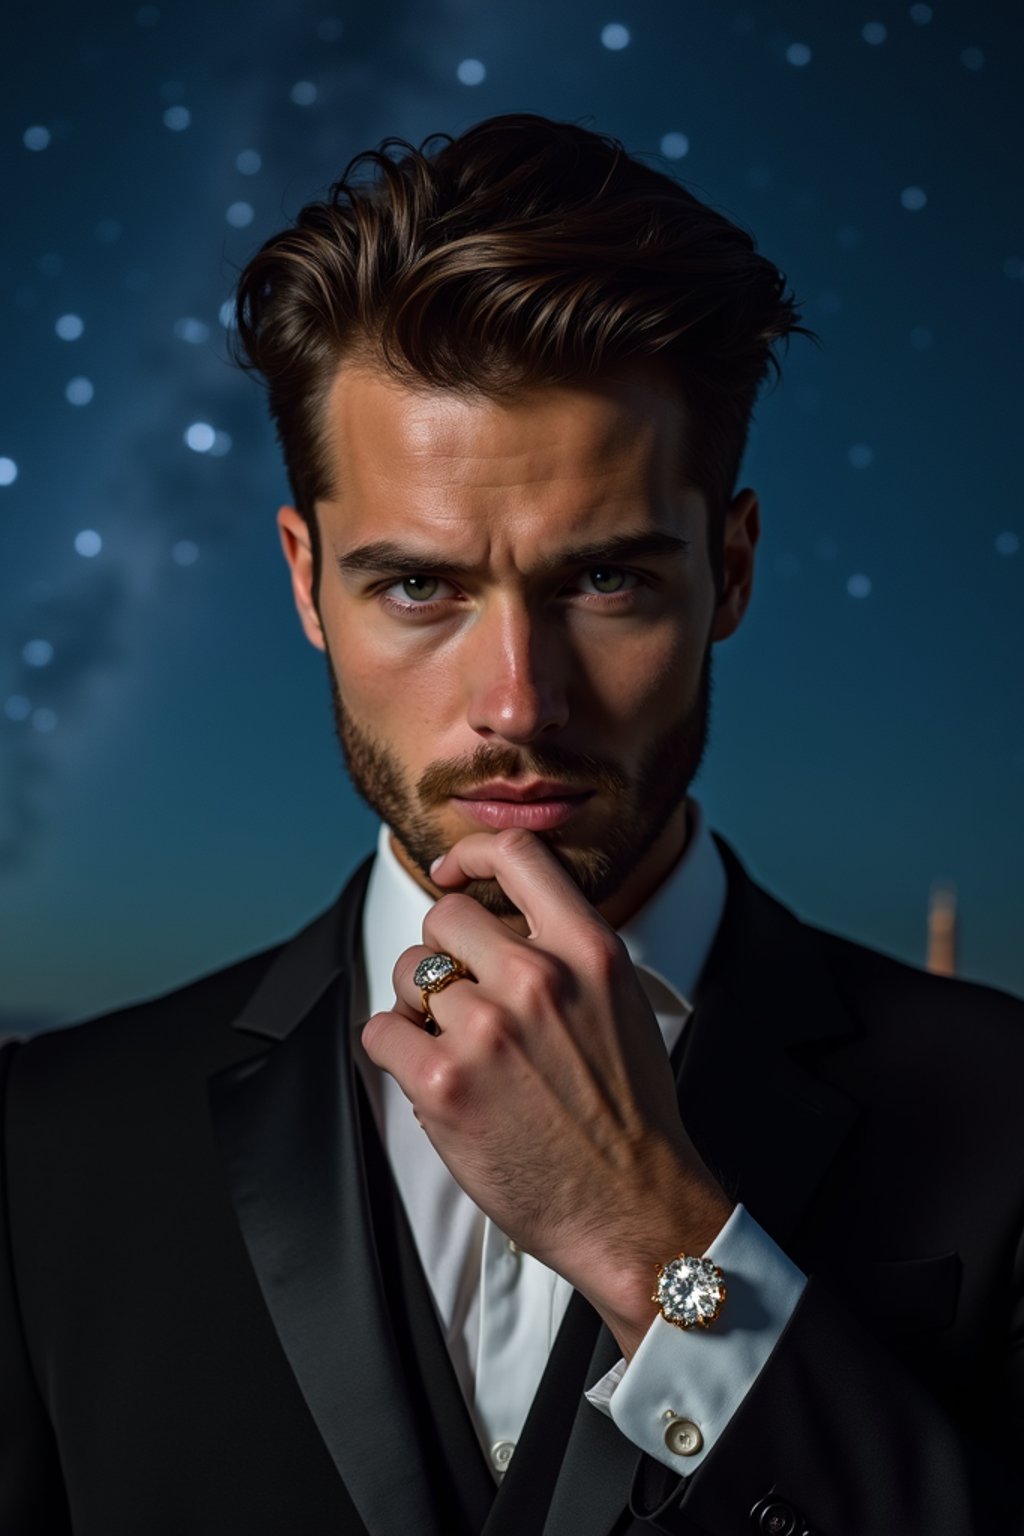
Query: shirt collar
x=668, y=939
x=671, y=934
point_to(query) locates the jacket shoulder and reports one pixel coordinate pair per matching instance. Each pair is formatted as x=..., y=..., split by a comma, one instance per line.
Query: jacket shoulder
x=190, y=1030
x=879, y=991
x=190, y=1023
x=923, y=1038
x=878, y=978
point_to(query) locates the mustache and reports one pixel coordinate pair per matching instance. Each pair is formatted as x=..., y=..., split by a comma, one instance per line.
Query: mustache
x=442, y=780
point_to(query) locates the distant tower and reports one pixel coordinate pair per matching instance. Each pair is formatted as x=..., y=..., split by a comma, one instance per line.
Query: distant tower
x=942, y=930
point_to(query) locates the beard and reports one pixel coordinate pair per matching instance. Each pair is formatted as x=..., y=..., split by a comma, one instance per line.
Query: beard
x=639, y=806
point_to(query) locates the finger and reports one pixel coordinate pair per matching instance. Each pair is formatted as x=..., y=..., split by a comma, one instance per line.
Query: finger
x=457, y=925
x=409, y=996
x=397, y=1045
x=409, y=1005
x=527, y=871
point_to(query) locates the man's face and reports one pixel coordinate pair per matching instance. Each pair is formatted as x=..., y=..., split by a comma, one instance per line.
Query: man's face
x=517, y=607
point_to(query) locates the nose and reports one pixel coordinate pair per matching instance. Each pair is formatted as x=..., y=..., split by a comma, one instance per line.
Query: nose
x=518, y=676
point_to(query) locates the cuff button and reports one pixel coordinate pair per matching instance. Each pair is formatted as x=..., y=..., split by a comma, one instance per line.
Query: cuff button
x=683, y=1438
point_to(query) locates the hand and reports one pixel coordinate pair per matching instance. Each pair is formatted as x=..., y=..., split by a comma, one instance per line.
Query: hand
x=548, y=1092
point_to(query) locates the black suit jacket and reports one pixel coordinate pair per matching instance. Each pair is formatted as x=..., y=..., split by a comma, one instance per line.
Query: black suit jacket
x=212, y=1318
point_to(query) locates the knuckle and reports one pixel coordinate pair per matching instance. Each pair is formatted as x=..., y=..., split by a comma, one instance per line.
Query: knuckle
x=446, y=1087
x=370, y=1032
x=440, y=916
x=536, y=979
x=402, y=972
x=601, y=952
x=490, y=1026
x=429, y=929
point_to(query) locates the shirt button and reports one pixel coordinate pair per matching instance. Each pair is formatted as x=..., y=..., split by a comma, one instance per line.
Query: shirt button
x=501, y=1455
x=683, y=1438
x=513, y=1247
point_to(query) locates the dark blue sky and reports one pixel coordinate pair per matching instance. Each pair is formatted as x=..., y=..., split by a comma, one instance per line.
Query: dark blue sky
x=171, y=794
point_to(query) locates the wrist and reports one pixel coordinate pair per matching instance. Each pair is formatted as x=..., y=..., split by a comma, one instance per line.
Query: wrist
x=620, y=1289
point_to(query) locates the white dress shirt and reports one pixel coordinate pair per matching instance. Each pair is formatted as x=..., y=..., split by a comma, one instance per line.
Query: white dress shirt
x=499, y=1308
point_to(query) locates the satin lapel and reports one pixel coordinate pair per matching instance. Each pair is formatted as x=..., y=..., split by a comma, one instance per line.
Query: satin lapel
x=287, y=1128
x=763, y=1123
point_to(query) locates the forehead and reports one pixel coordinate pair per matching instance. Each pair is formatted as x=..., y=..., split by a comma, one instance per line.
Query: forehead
x=556, y=458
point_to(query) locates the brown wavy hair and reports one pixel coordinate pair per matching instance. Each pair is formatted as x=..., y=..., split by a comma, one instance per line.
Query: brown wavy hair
x=524, y=252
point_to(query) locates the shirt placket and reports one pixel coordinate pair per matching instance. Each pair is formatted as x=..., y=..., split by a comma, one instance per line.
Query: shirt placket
x=518, y=1302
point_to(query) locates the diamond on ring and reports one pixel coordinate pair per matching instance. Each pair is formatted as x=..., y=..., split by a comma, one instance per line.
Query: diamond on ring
x=436, y=971
x=432, y=975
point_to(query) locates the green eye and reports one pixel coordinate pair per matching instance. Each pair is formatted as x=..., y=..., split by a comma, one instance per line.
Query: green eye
x=607, y=579
x=420, y=588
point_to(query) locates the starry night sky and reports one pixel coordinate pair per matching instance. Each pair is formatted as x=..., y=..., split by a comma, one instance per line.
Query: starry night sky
x=171, y=793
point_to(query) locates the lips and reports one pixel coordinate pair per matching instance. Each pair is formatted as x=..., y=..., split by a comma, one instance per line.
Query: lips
x=538, y=806
x=540, y=789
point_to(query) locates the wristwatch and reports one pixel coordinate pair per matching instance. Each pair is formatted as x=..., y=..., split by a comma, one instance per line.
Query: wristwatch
x=689, y=1291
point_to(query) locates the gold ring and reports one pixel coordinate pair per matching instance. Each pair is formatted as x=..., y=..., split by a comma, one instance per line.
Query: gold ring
x=433, y=974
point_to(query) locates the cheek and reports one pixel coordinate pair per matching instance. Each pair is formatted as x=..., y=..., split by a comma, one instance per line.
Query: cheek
x=399, y=692
x=652, y=674
x=368, y=664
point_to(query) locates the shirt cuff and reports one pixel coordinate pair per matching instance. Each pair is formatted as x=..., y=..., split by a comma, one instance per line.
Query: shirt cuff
x=703, y=1374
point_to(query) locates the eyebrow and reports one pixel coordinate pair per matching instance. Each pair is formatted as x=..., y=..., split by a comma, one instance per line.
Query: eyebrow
x=385, y=555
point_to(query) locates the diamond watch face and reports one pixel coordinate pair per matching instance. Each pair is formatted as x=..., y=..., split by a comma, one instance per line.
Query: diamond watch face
x=690, y=1292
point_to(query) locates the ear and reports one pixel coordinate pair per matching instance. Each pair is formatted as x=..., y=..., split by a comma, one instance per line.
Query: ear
x=298, y=551
x=741, y=533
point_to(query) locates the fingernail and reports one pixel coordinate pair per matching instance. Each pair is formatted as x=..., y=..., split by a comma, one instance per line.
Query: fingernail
x=439, y=860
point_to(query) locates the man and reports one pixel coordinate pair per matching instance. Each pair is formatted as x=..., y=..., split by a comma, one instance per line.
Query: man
x=360, y=1235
